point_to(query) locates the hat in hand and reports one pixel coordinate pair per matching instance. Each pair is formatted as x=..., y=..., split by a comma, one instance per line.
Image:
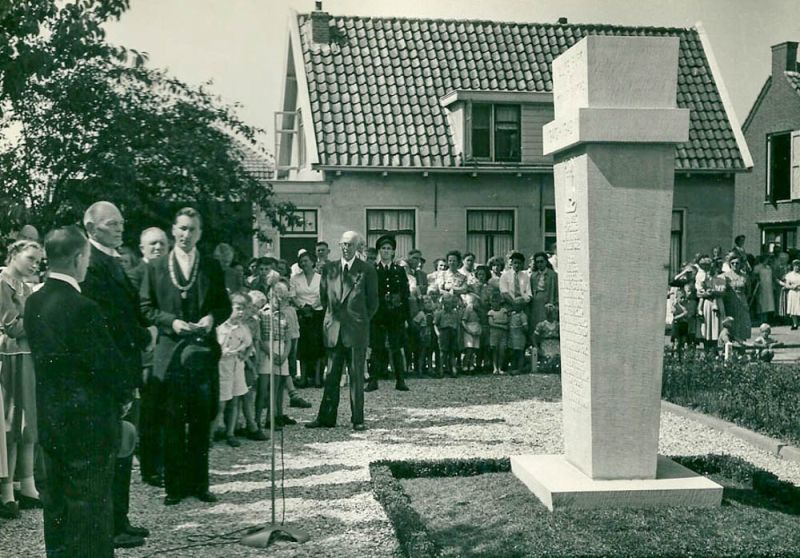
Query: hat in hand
x=197, y=357
x=127, y=440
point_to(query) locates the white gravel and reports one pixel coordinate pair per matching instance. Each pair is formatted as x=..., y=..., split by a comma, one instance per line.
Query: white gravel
x=327, y=478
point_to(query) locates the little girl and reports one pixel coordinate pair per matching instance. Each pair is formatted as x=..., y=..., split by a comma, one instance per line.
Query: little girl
x=471, y=327
x=546, y=336
x=446, y=322
x=423, y=324
x=236, y=342
x=274, y=355
x=517, y=328
x=498, y=333
x=765, y=344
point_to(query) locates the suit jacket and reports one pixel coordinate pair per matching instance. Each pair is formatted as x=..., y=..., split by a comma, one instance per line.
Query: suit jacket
x=136, y=274
x=78, y=387
x=550, y=285
x=162, y=304
x=393, y=294
x=350, y=301
x=109, y=286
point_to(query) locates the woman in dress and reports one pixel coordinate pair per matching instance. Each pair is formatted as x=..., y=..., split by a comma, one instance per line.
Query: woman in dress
x=765, y=298
x=791, y=282
x=711, y=309
x=452, y=280
x=736, y=297
x=496, y=266
x=310, y=314
x=17, y=377
x=780, y=267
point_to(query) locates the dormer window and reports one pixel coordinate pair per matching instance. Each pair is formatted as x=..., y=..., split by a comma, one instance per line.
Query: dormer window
x=495, y=132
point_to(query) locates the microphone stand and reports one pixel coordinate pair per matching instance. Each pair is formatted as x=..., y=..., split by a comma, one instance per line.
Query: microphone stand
x=262, y=537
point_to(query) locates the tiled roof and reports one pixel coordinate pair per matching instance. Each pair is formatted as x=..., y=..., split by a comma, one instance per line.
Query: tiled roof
x=375, y=96
x=794, y=80
x=259, y=164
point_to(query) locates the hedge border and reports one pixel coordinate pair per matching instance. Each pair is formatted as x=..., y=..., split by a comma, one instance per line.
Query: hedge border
x=415, y=539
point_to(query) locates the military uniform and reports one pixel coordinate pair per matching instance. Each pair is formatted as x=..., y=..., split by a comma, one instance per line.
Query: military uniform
x=388, y=324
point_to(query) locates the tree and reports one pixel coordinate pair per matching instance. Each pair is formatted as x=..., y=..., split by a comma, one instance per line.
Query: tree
x=88, y=121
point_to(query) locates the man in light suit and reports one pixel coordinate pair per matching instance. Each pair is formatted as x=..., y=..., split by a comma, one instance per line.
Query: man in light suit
x=109, y=286
x=349, y=294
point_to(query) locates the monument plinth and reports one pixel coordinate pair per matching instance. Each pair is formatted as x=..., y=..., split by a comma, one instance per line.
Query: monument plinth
x=613, y=141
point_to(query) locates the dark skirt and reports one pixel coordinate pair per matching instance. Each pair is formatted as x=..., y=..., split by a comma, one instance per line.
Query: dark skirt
x=19, y=394
x=311, y=345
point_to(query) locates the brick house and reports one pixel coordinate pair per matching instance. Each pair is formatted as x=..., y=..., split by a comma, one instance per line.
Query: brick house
x=432, y=130
x=767, y=208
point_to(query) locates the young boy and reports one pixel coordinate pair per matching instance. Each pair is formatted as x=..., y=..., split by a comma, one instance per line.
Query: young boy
x=498, y=333
x=764, y=344
x=446, y=322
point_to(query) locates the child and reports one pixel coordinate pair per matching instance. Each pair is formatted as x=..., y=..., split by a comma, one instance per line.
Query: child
x=517, y=329
x=471, y=326
x=446, y=322
x=423, y=324
x=764, y=344
x=483, y=291
x=498, y=333
x=680, y=322
x=546, y=336
x=236, y=343
x=691, y=303
x=252, y=364
x=726, y=342
x=275, y=343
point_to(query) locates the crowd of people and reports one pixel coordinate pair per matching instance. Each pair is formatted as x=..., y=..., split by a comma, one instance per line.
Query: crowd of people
x=715, y=300
x=105, y=354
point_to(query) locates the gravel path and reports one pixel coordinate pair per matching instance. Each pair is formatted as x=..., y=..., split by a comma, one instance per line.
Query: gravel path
x=326, y=479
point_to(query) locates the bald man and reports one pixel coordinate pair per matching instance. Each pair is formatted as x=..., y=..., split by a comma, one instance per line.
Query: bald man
x=349, y=294
x=152, y=244
x=118, y=298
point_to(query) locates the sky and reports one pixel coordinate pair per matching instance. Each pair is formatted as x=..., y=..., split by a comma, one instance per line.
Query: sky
x=240, y=45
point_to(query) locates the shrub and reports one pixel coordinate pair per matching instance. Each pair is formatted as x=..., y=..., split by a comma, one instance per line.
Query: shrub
x=757, y=395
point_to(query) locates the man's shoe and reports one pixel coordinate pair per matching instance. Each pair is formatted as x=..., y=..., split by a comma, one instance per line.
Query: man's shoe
x=172, y=500
x=29, y=502
x=318, y=424
x=126, y=540
x=9, y=510
x=257, y=435
x=299, y=403
x=154, y=480
x=233, y=442
x=372, y=385
x=359, y=427
x=287, y=420
x=206, y=496
x=136, y=531
x=401, y=386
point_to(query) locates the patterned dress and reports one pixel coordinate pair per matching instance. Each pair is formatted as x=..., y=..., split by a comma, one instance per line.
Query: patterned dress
x=710, y=308
x=548, y=335
x=736, y=305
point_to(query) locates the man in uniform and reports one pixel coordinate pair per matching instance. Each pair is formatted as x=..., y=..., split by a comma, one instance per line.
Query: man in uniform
x=388, y=324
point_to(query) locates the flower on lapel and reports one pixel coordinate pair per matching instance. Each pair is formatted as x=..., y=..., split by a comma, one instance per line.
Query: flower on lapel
x=357, y=281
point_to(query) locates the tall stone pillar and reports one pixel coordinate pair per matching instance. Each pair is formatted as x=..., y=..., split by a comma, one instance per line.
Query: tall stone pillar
x=614, y=146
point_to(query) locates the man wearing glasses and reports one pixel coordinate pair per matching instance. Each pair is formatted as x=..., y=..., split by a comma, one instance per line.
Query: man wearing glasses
x=349, y=294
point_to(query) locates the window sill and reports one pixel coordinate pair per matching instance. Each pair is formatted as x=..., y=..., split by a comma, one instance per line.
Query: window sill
x=779, y=202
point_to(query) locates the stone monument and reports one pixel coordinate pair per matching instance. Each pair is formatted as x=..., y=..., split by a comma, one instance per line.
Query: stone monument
x=613, y=140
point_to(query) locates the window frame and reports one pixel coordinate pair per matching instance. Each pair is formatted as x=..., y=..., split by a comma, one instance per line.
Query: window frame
x=492, y=158
x=684, y=212
x=316, y=231
x=793, y=188
x=367, y=230
x=514, y=227
x=545, y=234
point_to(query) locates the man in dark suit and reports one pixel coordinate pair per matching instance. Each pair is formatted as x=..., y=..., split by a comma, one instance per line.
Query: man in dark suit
x=108, y=285
x=349, y=294
x=184, y=294
x=79, y=393
x=389, y=323
x=152, y=244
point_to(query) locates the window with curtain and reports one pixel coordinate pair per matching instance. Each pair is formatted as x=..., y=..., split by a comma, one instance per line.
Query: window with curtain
x=398, y=222
x=549, y=229
x=676, y=243
x=490, y=232
x=496, y=132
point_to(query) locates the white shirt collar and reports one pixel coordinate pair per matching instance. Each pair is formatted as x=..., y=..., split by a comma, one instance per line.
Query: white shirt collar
x=65, y=278
x=348, y=263
x=181, y=255
x=105, y=249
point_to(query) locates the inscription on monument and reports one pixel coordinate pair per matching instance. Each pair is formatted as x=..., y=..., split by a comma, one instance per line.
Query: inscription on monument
x=569, y=71
x=573, y=297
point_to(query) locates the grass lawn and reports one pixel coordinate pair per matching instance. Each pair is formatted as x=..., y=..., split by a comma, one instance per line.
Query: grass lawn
x=495, y=515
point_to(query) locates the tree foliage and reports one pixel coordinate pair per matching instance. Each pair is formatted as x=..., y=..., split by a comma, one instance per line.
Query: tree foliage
x=84, y=120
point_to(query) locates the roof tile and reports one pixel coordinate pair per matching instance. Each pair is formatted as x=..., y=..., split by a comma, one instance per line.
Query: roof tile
x=388, y=75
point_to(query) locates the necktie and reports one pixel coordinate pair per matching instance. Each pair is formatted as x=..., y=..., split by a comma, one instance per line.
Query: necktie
x=517, y=292
x=346, y=268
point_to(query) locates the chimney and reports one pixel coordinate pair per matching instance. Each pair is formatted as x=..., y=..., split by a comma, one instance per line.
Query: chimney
x=563, y=21
x=320, y=25
x=784, y=57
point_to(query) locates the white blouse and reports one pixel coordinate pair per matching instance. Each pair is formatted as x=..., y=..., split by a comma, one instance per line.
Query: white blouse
x=306, y=292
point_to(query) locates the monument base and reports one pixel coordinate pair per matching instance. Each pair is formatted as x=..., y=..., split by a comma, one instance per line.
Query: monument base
x=561, y=485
